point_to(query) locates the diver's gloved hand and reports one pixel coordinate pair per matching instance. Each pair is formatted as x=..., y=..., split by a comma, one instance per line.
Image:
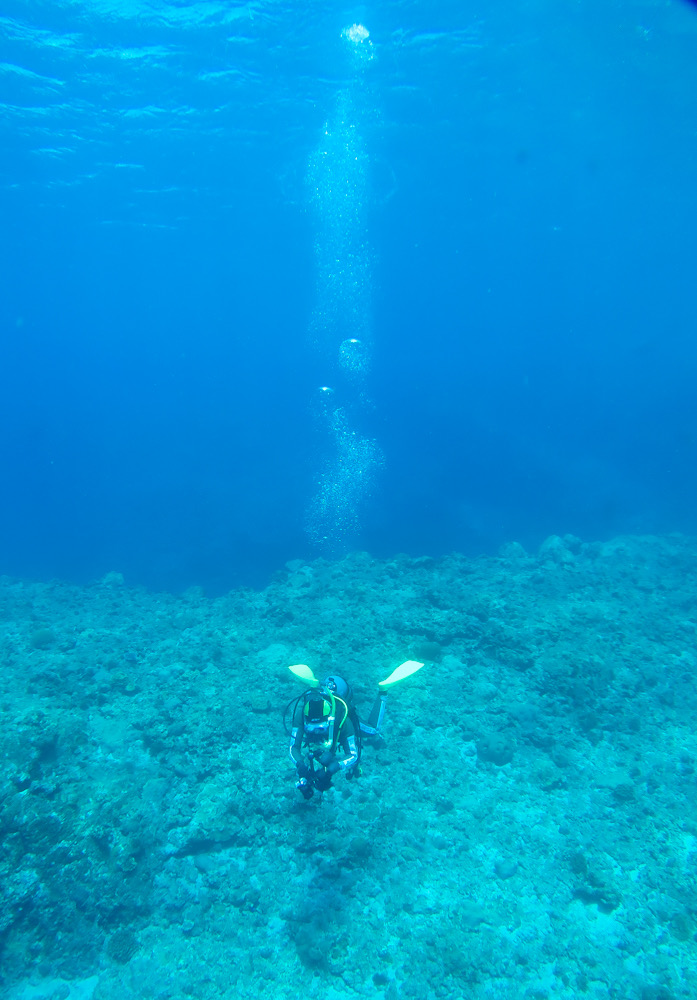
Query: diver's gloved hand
x=323, y=781
x=303, y=770
x=329, y=761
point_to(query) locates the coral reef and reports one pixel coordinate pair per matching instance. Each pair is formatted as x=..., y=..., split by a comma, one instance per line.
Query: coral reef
x=526, y=829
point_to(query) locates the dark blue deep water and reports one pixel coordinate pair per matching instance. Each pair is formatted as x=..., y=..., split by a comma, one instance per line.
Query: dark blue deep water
x=205, y=205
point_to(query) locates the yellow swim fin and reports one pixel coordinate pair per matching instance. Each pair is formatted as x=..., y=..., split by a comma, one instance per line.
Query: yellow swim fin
x=302, y=671
x=399, y=673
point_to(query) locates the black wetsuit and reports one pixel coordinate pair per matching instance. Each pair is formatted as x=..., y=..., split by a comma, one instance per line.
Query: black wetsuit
x=337, y=752
x=331, y=743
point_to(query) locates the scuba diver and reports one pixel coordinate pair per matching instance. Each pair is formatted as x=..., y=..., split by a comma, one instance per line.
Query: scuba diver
x=326, y=733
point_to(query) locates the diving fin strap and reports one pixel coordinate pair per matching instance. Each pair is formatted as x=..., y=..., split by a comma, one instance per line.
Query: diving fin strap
x=302, y=671
x=399, y=673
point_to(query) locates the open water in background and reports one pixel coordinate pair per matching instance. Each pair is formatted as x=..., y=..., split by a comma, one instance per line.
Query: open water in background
x=523, y=223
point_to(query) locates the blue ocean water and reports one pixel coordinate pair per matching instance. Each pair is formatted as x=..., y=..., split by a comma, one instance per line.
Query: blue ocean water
x=205, y=205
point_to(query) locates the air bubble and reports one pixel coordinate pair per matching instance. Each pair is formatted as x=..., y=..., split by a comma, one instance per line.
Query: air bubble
x=353, y=356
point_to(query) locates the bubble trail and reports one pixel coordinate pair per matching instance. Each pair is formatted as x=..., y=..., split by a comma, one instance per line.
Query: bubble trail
x=340, y=327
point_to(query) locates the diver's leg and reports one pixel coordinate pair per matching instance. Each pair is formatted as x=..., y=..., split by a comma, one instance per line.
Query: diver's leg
x=377, y=713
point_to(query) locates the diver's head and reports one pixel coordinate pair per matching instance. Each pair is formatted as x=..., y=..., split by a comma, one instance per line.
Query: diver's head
x=336, y=685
